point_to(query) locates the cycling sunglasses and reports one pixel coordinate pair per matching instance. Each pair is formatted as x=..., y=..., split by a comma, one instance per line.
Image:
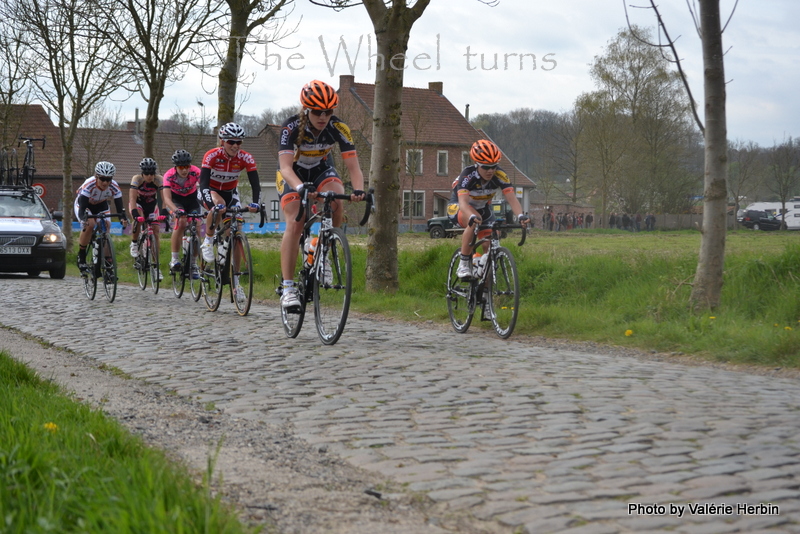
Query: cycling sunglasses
x=233, y=142
x=489, y=167
x=104, y=178
x=183, y=167
x=321, y=112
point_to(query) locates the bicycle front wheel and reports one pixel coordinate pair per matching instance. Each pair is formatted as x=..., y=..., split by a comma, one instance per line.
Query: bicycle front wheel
x=503, y=302
x=140, y=263
x=211, y=277
x=241, y=274
x=195, y=282
x=460, y=297
x=332, y=285
x=152, y=261
x=108, y=261
x=179, y=278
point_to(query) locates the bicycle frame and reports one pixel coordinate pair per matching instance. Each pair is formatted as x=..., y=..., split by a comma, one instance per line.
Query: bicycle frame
x=148, y=259
x=103, y=262
x=188, y=258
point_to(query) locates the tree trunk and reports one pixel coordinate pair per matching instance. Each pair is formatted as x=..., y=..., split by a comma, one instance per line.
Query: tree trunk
x=229, y=73
x=707, y=286
x=151, y=121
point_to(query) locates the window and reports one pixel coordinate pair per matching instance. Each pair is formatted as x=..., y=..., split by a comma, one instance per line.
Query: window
x=466, y=161
x=413, y=206
x=441, y=163
x=414, y=161
x=275, y=209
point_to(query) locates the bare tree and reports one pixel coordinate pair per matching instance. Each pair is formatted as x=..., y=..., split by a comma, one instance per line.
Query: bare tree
x=707, y=286
x=80, y=69
x=159, y=39
x=17, y=68
x=744, y=170
x=93, y=139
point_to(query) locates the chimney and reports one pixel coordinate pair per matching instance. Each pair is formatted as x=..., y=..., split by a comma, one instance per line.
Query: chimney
x=346, y=81
x=466, y=113
x=436, y=86
x=136, y=122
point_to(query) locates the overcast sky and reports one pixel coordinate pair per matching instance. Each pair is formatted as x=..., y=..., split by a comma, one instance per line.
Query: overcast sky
x=456, y=42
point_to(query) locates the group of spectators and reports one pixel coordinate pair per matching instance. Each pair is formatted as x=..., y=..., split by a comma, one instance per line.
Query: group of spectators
x=558, y=222
x=632, y=223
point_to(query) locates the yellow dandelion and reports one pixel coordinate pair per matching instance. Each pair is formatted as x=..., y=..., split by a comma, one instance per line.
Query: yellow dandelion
x=50, y=427
x=712, y=317
x=776, y=324
x=628, y=333
x=787, y=328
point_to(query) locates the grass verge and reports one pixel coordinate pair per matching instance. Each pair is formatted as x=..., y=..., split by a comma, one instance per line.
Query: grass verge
x=67, y=468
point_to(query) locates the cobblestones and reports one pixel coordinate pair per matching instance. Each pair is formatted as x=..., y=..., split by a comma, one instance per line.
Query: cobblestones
x=521, y=437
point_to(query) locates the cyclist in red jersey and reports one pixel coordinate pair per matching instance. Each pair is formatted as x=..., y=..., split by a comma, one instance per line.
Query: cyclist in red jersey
x=180, y=197
x=303, y=155
x=219, y=176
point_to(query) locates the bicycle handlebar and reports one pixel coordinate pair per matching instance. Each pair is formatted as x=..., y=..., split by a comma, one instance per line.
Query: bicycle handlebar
x=32, y=139
x=497, y=225
x=327, y=196
x=262, y=210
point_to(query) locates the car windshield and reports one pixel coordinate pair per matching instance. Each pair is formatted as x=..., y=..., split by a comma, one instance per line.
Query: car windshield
x=22, y=204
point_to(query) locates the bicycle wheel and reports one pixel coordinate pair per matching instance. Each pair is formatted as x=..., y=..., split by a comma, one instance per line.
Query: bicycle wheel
x=90, y=278
x=293, y=322
x=152, y=261
x=211, y=277
x=178, y=280
x=108, y=261
x=140, y=263
x=332, y=285
x=460, y=297
x=28, y=168
x=195, y=284
x=503, y=301
x=12, y=167
x=241, y=265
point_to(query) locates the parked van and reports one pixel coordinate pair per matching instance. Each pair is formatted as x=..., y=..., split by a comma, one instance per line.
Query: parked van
x=792, y=218
x=774, y=208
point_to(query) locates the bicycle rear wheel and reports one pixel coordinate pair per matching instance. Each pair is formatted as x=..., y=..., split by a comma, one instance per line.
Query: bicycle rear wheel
x=332, y=285
x=28, y=169
x=293, y=321
x=178, y=280
x=108, y=261
x=152, y=261
x=241, y=274
x=90, y=278
x=503, y=301
x=460, y=297
x=12, y=167
x=211, y=276
x=195, y=284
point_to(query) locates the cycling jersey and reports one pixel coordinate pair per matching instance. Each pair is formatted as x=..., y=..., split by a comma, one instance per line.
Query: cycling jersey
x=96, y=200
x=225, y=170
x=146, y=190
x=480, y=193
x=182, y=186
x=314, y=149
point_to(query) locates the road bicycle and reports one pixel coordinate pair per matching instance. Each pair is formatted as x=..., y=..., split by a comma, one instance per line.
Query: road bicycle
x=102, y=262
x=236, y=269
x=327, y=279
x=188, y=269
x=9, y=163
x=494, y=288
x=147, y=260
x=28, y=163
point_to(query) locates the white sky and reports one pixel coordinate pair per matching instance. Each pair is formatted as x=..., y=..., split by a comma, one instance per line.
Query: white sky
x=762, y=61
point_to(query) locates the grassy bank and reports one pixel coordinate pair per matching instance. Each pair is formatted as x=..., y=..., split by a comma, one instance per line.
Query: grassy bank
x=605, y=286
x=67, y=468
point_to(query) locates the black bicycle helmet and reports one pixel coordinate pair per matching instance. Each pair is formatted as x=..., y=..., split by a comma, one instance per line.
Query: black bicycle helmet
x=181, y=158
x=148, y=166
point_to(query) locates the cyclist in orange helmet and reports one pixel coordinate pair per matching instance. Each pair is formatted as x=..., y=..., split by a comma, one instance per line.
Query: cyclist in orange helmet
x=472, y=195
x=306, y=141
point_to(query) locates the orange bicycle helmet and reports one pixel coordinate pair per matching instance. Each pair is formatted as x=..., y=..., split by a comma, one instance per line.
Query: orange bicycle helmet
x=484, y=152
x=318, y=95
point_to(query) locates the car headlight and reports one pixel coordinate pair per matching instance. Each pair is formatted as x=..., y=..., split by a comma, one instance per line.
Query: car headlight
x=51, y=238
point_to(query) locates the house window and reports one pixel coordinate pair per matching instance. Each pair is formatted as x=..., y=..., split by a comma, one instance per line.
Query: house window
x=414, y=161
x=441, y=163
x=413, y=205
x=275, y=209
x=466, y=161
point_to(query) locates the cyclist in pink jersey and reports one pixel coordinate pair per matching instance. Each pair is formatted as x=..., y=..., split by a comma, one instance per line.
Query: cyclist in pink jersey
x=219, y=176
x=180, y=197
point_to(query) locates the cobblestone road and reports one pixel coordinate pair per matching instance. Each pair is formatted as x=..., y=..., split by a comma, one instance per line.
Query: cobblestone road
x=531, y=439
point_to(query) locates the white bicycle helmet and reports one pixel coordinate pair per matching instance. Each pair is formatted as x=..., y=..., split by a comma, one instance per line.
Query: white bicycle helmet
x=105, y=168
x=231, y=130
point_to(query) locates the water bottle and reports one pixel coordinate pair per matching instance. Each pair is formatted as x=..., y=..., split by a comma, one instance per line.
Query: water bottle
x=223, y=251
x=94, y=254
x=308, y=252
x=185, y=245
x=479, y=262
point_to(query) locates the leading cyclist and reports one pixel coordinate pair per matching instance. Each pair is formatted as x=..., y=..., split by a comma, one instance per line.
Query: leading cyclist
x=303, y=156
x=472, y=195
x=180, y=197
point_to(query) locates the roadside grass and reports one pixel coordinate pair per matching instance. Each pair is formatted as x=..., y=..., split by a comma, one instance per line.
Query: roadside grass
x=65, y=467
x=598, y=285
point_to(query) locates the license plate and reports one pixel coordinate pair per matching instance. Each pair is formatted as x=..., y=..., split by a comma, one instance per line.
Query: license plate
x=15, y=250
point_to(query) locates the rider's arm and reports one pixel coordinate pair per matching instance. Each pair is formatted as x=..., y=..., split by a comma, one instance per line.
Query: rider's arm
x=255, y=185
x=166, y=196
x=83, y=203
x=133, y=195
x=286, y=162
x=512, y=200
x=205, y=186
x=119, y=205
